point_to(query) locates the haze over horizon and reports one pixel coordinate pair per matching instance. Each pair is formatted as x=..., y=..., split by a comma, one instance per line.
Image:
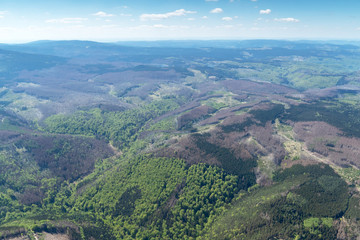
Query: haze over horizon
x=111, y=20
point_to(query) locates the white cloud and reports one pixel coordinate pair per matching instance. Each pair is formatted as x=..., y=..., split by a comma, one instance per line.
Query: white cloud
x=103, y=14
x=160, y=26
x=7, y=29
x=125, y=15
x=191, y=19
x=2, y=13
x=67, y=20
x=204, y=17
x=227, y=18
x=228, y=26
x=267, y=11
x=232, y=0
x=286, y=20
x=110, y=26
x=254, y=0
x=217, y=10
x=160, y=16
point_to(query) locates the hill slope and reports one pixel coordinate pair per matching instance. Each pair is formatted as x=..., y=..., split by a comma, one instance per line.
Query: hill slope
x=193, y=140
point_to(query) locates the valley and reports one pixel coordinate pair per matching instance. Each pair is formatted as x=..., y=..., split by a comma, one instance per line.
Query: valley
x=179, y=140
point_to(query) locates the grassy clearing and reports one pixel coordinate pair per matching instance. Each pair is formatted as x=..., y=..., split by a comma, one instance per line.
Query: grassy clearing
x=205, y=128
x=22, y=104
x=350, y=174
x=6, y=124
x=242, y=111
x=292, y=147
x=267, y=166
x=226, y=100
x=166, y=90
x=350, y=98
x=197, y=78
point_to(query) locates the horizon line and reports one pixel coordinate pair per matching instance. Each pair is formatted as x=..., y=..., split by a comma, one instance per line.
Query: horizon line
x=181, y=40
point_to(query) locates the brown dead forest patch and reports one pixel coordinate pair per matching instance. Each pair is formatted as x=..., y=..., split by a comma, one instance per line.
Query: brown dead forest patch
x=185, y=148
x=329, y=142
x=193, y=115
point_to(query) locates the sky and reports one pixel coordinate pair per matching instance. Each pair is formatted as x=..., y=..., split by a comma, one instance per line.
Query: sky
x=147, y=20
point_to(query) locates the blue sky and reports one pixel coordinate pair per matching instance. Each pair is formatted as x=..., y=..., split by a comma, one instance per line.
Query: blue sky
x=116, y=20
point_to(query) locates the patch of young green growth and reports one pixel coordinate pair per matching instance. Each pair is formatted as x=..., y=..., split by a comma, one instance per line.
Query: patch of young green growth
x=112, y=90
x=285, y=130
x=266, y=166
x=242, y=111
x=22, y=104
x=350, y=98
x=205, y=128
x=167, y=124
x=7, y=124
x=286, y=105
x=350, y=174
x=218, y=103
x=218, y=92
x=197, y=78
x=313, y=223
x=166, y=90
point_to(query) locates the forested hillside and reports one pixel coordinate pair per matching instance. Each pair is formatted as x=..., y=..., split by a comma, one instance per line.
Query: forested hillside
x=179, y=140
